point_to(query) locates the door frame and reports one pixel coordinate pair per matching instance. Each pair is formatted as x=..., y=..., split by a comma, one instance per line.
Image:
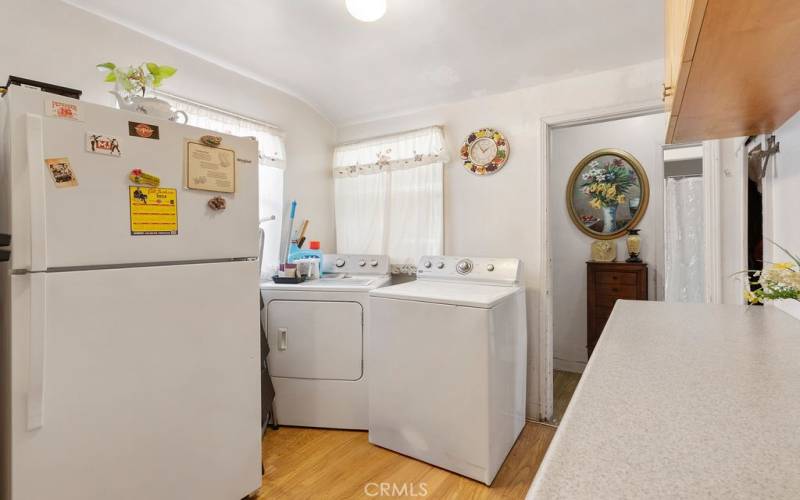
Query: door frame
x=546, y=125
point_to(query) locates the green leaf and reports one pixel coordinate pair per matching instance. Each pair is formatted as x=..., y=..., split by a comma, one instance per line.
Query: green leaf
x=153, y=68
x=111, y=77
x=166, y=71
x=109, y=66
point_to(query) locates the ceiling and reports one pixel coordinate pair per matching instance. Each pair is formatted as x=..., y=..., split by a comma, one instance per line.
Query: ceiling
x=421, y=53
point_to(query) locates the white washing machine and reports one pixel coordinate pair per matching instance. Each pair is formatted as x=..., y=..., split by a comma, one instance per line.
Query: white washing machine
x=448, y=358
x=318, y=337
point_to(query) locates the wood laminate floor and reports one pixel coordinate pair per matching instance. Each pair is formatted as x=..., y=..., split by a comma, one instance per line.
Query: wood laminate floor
x=302, y=463
x=564, y=384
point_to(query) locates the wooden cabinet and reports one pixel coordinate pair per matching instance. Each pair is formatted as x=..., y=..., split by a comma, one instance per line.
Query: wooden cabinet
x=607, y=283
x=676, y=15
x=732, y=67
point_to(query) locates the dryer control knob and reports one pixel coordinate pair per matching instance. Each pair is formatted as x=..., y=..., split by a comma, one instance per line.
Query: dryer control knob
x=373, y=263
x=362, y=263
x=428, y=264
x=340, y=262
x=440, y=265
x=490, y=267
x=464, y=266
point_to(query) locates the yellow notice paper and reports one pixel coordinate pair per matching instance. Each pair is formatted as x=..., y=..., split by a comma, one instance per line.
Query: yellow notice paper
x=153, y=210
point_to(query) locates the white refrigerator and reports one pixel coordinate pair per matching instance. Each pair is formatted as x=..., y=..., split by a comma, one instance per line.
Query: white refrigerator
x=129, y=363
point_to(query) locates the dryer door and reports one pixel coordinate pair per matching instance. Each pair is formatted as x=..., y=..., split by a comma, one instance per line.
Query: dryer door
x=315, y=339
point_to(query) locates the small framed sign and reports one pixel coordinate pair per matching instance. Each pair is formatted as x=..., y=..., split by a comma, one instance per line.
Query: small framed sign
x=210, y=168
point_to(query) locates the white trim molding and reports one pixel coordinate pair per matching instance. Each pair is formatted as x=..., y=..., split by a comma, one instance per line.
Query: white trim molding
x=712, y=172
x=546, y=124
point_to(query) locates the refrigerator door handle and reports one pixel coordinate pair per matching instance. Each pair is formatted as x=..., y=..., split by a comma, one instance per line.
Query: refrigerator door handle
x=36, y=350
x=36, y=175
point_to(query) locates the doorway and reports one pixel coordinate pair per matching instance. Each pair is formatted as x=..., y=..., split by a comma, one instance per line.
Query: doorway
x=683, y=246
x=640, y=135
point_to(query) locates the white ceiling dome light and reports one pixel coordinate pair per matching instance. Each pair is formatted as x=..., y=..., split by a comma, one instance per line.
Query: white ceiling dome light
x=366, y=10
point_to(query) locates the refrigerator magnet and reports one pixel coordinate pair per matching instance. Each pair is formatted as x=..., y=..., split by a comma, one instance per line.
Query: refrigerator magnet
x=61, y=171
x=210, y=168
x=213, y=141
x=62, y=108
x=137, y=176
x=143, y=130
x=217, y=203
x=154, y=210
x=102, y=144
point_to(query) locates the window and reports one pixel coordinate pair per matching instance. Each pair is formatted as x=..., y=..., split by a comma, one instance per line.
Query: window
x=389, y=197
x=272, y=162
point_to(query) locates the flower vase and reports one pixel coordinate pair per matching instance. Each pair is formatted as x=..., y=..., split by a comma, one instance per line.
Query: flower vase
x=610, y=219
x=634, y=245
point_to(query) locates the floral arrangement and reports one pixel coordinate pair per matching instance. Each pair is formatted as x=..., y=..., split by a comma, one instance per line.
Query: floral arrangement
x=137, y=79
x=607, y=183
x=780, y=281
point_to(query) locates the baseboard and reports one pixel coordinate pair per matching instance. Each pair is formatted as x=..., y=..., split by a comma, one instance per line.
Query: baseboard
x=566, y=365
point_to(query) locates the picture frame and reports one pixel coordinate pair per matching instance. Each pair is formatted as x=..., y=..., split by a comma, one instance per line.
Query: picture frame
x=607, y=193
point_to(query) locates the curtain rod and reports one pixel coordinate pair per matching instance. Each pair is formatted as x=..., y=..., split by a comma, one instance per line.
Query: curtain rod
x=219, y=110
x=383, y=136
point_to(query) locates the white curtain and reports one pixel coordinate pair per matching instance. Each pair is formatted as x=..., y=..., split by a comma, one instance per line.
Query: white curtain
x=389, y=197
x=271, y=146
x=684, y=243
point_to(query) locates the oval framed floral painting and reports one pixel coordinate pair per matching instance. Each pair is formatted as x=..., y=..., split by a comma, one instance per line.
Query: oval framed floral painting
x=607, y=193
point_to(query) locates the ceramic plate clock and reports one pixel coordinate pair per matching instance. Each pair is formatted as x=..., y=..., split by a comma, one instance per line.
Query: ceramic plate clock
x=484, y=152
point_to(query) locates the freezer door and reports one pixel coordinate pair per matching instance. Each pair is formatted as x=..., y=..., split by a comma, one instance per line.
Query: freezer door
x=90, y=224
x=136, y=383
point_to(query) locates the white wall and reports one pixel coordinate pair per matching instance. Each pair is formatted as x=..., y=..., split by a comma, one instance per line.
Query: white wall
x=499, y=215
x=782, y=201
x=640, y=136
x=50, y=41
x=733, y=219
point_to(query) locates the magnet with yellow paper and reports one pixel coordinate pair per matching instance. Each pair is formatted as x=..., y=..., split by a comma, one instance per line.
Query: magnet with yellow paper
x=61, y=171
x=154, y=210
x=139, y=177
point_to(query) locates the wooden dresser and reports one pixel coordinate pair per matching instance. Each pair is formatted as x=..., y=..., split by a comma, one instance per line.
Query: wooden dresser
x=608, y=282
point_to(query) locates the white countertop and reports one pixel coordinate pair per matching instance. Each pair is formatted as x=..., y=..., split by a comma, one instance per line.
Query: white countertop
x=683, y=401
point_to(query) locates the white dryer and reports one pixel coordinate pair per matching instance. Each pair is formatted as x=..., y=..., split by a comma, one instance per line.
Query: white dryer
x=448, y=358
x=317, y=334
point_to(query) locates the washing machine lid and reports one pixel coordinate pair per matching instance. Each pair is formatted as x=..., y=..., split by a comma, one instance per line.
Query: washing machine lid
x=442, y=292
x=333, y=283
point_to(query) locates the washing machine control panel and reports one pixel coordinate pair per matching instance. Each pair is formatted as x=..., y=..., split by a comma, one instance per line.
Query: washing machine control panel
x=480, y=269
x=355, y=264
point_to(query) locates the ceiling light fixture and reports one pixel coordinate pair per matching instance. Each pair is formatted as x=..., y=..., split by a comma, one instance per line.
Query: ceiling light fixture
x=366, y=10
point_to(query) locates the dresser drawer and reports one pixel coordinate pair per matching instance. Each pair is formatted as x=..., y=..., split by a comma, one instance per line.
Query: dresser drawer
x=618, y=291
x=607, y=300
x=602, y=313
x=608, y=283
x=612, y=278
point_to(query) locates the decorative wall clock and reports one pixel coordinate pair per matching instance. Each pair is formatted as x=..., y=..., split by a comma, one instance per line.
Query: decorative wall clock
x=485, y=151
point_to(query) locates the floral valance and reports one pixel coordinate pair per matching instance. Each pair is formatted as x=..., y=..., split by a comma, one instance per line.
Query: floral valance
x=407, y=150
